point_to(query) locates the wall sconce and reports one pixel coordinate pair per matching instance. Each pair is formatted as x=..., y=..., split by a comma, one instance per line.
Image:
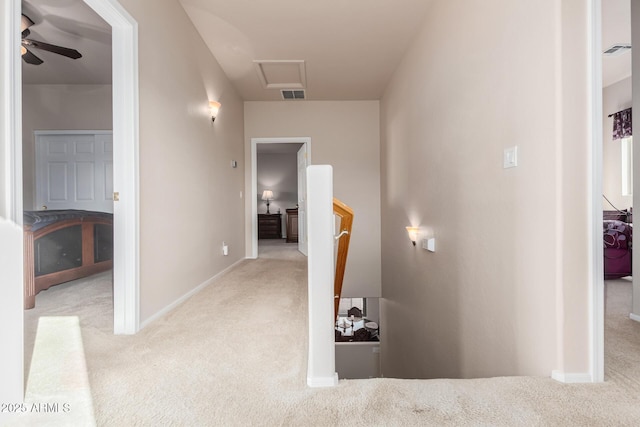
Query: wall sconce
x=267, y=195
x=214, y=107
x=413, y=234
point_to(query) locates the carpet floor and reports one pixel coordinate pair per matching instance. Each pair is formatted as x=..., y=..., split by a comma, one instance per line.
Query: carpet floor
x=235, y=355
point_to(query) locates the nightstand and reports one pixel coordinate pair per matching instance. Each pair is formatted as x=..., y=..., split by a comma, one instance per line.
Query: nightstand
x=270, y=226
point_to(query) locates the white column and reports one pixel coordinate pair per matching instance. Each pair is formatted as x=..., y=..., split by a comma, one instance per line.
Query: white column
x=321, y=371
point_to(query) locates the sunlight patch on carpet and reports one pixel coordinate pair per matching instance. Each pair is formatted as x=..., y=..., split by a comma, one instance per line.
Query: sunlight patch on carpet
x=58, y=391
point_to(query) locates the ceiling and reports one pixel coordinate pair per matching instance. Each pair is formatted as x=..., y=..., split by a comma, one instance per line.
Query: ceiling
x=616, y=28
x=72, y=24
x=350, y=48
x=334, y=49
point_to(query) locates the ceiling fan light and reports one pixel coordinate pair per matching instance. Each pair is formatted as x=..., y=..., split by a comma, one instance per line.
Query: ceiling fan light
x=23, y=50
x=25, y=22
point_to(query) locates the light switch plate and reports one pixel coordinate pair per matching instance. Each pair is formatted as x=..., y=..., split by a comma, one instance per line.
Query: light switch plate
x=429, y=244
x=510, y=159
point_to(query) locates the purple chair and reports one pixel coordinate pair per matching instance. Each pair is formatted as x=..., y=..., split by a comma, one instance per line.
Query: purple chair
x=617, y=239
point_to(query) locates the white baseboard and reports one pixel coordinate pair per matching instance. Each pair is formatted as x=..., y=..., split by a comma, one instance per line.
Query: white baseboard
x=323, y=381
x=571, y=378
x=188, y=295
x=634, y=317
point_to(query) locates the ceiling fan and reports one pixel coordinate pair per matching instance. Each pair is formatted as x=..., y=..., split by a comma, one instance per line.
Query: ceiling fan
x=29, y=57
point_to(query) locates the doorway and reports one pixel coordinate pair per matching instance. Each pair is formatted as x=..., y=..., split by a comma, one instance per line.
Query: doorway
x=126, y=229
x=125, y=161
x=617, y=183
x=303, y=159
x=123, y=76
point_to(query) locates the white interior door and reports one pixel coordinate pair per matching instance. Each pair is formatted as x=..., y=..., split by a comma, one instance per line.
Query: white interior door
x=74, y=171
x=303, y=162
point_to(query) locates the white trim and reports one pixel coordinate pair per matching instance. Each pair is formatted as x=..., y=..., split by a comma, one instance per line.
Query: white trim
x=634, y=317
x=252, y=251
x=12, y=294
x=72, y=132
x=571, y=378
x=188, y=295
x=13, y=114
x=323, y=381
x=596, y=267
x=126, y=271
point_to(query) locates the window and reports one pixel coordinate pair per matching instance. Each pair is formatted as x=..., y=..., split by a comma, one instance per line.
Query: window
x=627, y=165
x=347, y=303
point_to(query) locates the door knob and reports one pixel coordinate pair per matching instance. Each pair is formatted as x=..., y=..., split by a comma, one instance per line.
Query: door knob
x=44, y=207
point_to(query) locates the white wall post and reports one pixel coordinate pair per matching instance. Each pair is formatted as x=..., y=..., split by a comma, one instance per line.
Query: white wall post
x=11, y=274
x=321, y=371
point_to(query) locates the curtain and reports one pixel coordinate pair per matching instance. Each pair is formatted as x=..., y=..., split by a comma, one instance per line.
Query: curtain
x=622, y=124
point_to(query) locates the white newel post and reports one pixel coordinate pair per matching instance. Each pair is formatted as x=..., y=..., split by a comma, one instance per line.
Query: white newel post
x=321, y=371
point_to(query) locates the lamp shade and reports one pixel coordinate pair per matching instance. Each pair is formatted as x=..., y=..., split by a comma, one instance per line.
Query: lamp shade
x=413, y=233
x=214, y=107
x=267, y=195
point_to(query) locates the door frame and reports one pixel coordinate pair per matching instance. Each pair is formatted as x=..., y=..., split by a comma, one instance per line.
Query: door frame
x=12, y=301
x=125, y=151
x=306, y=141
x=596, y=291
x=126, y=218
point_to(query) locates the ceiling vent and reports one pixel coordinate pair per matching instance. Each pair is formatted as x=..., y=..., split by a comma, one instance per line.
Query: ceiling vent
x=617, y=49
x=292, y=94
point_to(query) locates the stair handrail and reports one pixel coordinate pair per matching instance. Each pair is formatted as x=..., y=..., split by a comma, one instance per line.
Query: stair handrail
x=346, y=222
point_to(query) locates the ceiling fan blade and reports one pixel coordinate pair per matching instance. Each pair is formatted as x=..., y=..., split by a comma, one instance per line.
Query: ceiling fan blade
x=69, y=53
x=25, y=22
x=26, y=33
x=30, y=58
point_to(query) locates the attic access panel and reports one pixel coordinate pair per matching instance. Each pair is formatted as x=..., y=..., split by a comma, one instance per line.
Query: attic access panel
x=281, y=74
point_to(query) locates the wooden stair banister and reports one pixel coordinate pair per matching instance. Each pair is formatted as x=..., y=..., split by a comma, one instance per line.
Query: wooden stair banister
x=346, y=222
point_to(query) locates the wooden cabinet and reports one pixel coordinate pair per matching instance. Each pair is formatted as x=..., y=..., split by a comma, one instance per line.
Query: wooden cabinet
x=292, y=225
x=269, y=226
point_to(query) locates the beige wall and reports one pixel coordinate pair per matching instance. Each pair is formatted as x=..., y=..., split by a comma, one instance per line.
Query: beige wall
x=345, y=135
x=615, y=97
x=488, y=301
x=189, y=193
x=59, y=107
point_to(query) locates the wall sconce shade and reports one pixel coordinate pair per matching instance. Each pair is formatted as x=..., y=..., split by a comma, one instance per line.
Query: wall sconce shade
x=267, y=195
x=214, y=107
x=413, y=234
